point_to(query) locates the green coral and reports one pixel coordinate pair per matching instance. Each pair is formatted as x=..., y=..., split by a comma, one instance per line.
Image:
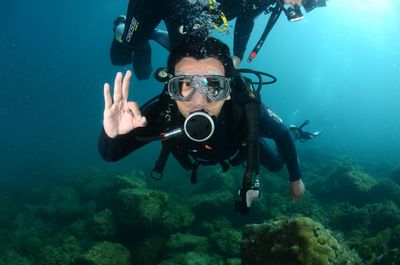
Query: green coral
x=346, y=183
x=383, y=215
x=103, y=226
x=346, y=217
x=187, y=242
x=395, y=175
x=382, y=249
x=233, y=261
x=195, y=258
x=386, y=189
x=227, y=242
x=298, y=241
x=149, y=250
x=105, y=253
x=64, y=254
x=14, y=258
x=212, y=204
x=133, y=180
x=177, y=218
x=372, y=248
x=216, y=180
x=140, y=208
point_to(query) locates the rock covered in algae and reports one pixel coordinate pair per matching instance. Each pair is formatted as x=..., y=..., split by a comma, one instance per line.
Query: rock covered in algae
x=297, y=241
x=346, y=183
x=187, y=242
x=216, y=180
x=90, y=183
x=227, y=242
x=395, y=175
x=105, y=253
x=140, y=208
x=386, y=189
x=196, y=258
x=383, y=215
x=215, y=203
x=177, y=217
x=133, y=180
x=381, y=249
x=103, y=225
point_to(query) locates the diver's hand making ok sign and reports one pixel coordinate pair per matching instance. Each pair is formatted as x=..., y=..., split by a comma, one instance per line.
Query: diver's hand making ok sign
x=120, y=115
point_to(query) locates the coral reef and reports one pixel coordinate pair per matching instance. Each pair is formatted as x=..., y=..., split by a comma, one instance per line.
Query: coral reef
x=105, y=253
x=94, y=218
x=140, y=208
x=103, y=226
x=346, y=183
x=294, y=241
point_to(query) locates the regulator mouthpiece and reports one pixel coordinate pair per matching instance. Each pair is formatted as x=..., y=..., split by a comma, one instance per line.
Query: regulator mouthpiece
x=199, y=126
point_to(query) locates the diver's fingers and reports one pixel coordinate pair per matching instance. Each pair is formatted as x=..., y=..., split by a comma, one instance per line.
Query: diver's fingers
x=125, y=85
x=296, y=190
x=138, y=119
x=107, y=96
x=117, y=87
x=133, y=107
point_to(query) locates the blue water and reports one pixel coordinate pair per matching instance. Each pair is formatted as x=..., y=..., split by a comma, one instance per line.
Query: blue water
x=340, y=68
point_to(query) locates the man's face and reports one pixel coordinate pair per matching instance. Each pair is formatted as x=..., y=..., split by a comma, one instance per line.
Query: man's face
x=199, y=101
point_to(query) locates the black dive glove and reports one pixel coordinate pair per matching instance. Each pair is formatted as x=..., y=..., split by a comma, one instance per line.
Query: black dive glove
x=246, y=195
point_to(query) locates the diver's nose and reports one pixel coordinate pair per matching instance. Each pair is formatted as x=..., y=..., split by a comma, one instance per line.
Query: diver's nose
x=199, y=99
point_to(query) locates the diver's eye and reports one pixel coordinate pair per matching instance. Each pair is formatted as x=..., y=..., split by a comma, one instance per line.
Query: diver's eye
x=184, y=83
x=184, y=87
x=214, y=88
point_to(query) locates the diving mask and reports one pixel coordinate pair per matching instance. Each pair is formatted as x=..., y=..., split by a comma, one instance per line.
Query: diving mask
x=214, y=87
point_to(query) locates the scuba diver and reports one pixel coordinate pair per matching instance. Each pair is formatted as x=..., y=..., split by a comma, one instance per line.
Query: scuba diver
x=207, y=114
x=183, y=18
x=133, y=32
x=299, y=134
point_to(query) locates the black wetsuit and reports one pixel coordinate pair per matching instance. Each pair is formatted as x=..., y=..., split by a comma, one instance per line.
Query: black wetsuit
x=227, y=140
x=245, y=12
x=181, y=18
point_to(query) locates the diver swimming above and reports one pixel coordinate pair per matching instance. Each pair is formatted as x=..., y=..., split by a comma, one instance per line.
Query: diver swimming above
x=184, y=18
x=207, y=114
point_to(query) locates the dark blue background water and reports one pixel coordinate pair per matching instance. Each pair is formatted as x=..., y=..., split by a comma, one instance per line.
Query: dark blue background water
x=340, y=68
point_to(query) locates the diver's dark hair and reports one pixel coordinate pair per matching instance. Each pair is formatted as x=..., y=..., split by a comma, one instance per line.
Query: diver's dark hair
x=201, y=48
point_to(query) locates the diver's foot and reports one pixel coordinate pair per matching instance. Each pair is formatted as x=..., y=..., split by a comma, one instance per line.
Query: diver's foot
x=119, y=27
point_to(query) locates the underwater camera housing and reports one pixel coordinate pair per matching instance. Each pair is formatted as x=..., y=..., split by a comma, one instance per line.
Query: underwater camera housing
x=311, y=4
x=294, y=13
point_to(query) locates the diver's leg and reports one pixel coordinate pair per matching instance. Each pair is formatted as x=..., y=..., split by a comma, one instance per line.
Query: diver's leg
x=142, y=61
x=120, y=54
x=133, y=31
x=142, y=18
x=161, y=37
x=270, y=157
